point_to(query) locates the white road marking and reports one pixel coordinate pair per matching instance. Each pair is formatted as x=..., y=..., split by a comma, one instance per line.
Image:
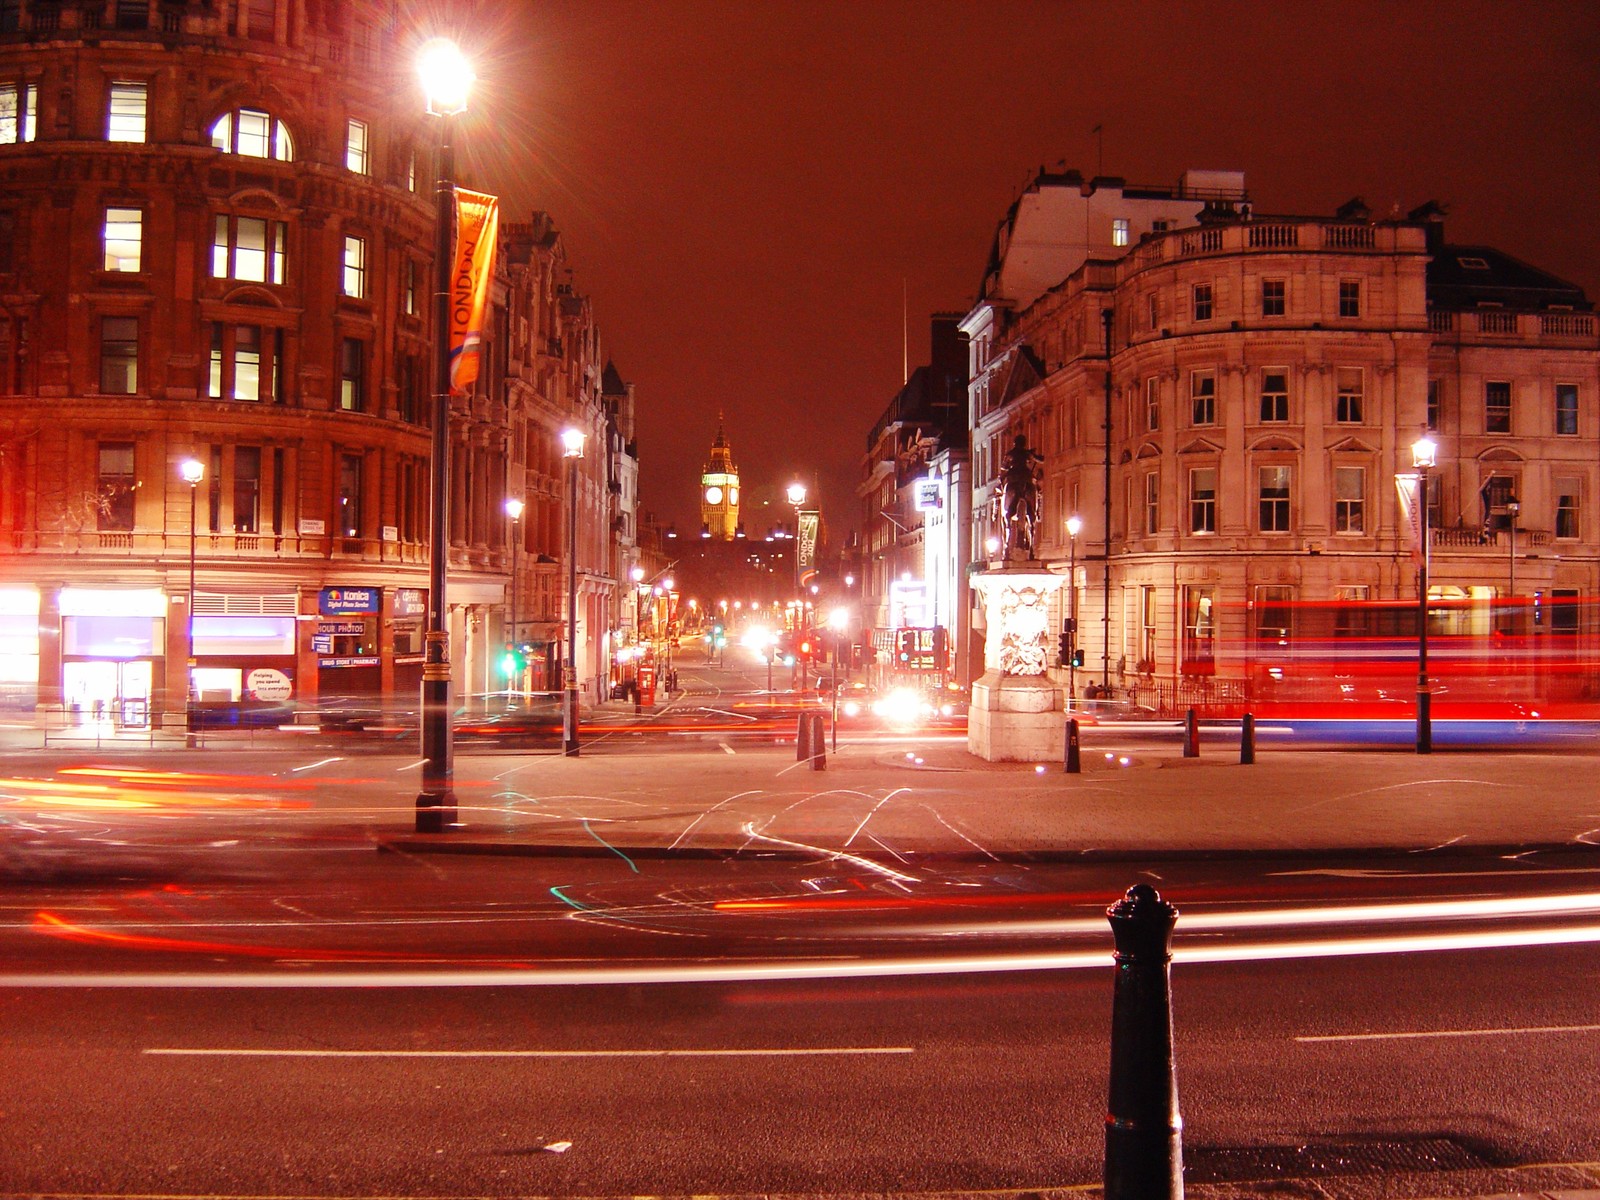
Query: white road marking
x=1407, y=1035
x=315, y=765
x=799, y=1052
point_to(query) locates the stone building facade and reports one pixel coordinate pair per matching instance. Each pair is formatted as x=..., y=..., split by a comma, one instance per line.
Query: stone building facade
x=216, y=232
x=1226, y=405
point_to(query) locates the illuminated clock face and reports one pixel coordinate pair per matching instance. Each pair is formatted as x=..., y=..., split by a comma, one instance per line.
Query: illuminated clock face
x=713, y=495
x=733, y=495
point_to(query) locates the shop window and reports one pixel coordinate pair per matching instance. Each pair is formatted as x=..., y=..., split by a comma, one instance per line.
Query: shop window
x=1199, y=631
x=1274, y=612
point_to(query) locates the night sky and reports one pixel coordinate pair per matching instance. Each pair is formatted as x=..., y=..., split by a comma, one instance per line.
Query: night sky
x=747, y=190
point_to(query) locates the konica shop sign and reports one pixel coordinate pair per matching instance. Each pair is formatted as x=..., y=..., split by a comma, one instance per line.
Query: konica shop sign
x=338, y=601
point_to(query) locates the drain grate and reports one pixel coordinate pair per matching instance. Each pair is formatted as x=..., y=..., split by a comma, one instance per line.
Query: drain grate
x=1241, y=1164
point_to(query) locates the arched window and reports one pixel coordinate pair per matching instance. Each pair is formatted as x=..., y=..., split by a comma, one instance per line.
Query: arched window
x=253, y=133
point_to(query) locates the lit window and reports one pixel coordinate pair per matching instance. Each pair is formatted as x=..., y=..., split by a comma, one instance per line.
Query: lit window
x=355, y=267
x=244, y=362
x=355, y=147
x=352, y=374
x=1202, y=302
x=1272, y=297
x=253, y=133
x=1203, y=398
x=119, y=355
x=411, y=287
x=125, y=120
x=1348, y=401
x=1203, y=500
x=1119, y=231
x=19, y=113
x=1273, y=498
x=1274, y=396
x=1567, y=409
x=1349, y=297
x=250, y=248
x=124, y=238
x=1497, y=407
x=1349, y=499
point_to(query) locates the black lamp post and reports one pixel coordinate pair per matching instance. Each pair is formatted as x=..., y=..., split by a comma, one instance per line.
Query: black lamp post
x=1074, y=528
x=446, y=78
x=1423, y=452
x=572, y=440
x=1513, y=508
x=193, y=471
x=514, y=509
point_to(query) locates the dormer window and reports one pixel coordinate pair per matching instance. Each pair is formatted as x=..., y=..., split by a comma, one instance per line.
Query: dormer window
x=254, y=134
x=1473, y=264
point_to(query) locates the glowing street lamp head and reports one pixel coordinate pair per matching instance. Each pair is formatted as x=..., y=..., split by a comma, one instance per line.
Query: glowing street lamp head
x=192, y=470
x=514, y=508
x=994, y=545
x=638, y=574
x=572, y=440
x=797, y=494
x=839, y=619
x=1074, y=526
x=667, y=583
x=1424, y=452
x=446, y=77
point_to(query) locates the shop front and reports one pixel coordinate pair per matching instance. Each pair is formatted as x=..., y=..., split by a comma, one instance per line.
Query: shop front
x=19, y=648
x=113, y=655
x=346, y=645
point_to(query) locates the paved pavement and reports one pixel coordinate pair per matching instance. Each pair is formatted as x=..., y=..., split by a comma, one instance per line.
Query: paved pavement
x=935, y=799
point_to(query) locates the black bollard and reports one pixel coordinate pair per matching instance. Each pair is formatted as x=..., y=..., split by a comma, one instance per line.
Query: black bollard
x=1074, y=760
x=1144, y=1131
x=1191, y=735
x=802, y=738
x=1247, y=738
x=819, y=744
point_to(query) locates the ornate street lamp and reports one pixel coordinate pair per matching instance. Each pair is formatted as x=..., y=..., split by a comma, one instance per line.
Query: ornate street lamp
x=572, y=440
x=193, y=471
x=446, y=79
x=1423, y=455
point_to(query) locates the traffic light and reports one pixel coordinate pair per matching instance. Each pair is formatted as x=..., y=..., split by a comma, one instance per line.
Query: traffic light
x=512, y=662
x=1077, y=658
x=908, y=645
x=1064, y=654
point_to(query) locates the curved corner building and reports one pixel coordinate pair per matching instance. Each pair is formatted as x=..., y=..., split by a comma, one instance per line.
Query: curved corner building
x=216, y=231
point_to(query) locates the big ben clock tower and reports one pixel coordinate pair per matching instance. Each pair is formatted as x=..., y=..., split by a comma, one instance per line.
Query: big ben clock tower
x=719, y=490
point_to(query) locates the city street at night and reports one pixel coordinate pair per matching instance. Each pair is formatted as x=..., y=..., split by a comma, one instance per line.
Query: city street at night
x=703, y=968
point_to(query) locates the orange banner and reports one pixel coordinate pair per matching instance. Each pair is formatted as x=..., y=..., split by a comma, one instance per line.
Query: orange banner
x=477, y=231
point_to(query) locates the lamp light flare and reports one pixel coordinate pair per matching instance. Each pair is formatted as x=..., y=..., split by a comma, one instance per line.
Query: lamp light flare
x=572, y=440
x=192, y=470
x=447, y=77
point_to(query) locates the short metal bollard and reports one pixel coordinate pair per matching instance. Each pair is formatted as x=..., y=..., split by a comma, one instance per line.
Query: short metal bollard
x=819, y=743
x=1191, y=735
x=1144, y=1131
x=1247, y=739
x=802, y=738
x=1074, y=761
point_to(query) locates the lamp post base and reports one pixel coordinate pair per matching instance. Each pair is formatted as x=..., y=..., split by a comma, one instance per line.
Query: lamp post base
x=436, y=802
x=569, y=722
x=1424, y=722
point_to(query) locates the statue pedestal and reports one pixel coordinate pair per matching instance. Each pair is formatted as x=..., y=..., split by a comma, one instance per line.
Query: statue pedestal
x=1015, y=714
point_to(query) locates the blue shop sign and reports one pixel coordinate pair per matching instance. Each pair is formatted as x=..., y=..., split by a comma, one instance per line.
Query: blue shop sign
x=339, y=601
